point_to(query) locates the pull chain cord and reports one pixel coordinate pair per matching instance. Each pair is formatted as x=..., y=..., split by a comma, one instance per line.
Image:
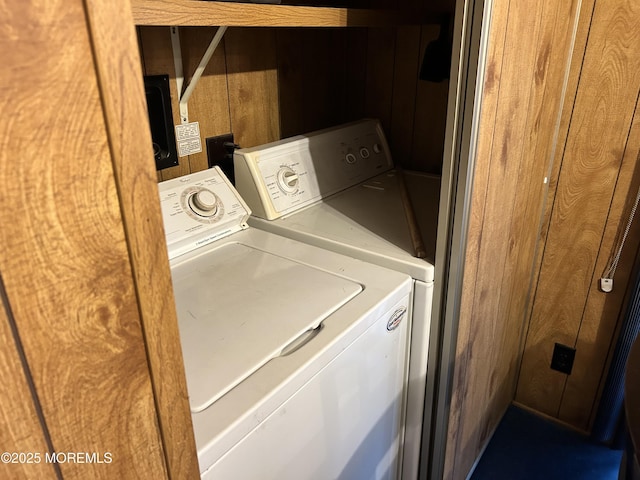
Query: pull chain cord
x=606, y=282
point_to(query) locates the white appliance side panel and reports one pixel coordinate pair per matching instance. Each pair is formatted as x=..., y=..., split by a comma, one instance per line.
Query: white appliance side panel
x=344, y=423
x=420, y=330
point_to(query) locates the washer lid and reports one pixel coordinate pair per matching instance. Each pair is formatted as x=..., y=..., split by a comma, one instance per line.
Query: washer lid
x=239, y=307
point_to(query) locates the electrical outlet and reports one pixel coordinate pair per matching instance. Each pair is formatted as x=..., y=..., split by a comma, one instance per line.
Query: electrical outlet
x=562, y=359
x=220, y=153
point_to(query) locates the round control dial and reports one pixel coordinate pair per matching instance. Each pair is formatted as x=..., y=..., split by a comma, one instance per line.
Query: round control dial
x=204, y=203
x=288, y=180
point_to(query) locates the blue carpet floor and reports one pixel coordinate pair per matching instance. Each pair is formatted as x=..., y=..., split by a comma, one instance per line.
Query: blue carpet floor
x=527, y=447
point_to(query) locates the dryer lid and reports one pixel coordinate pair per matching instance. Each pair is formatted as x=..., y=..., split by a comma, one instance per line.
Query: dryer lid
x=239, y=307
x=367, y=222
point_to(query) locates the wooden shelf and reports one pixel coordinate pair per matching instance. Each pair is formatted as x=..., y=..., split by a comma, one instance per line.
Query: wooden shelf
x=205, y=13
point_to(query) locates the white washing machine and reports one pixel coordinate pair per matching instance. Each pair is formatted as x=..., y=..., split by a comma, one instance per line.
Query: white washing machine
x=295, y=357
x=337, y=189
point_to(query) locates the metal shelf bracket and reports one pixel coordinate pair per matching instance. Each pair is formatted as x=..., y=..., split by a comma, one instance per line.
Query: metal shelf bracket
x=177, y=59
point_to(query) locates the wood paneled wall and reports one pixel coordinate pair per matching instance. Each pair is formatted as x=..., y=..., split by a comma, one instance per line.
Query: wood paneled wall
x=555, y=179
x=16, y=402
x=87, y=308
x=64, y=260
x=597, y=184
x=264, y=84
x=119, y=76
x=522, y=97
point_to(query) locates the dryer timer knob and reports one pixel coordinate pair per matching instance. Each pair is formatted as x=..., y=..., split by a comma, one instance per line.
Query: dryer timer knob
x=288, y=180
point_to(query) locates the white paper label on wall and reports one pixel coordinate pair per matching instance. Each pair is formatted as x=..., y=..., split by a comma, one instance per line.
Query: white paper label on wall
x=188, y=139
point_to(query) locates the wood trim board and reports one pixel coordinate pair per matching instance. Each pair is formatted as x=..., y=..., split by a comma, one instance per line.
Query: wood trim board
x=120, y=82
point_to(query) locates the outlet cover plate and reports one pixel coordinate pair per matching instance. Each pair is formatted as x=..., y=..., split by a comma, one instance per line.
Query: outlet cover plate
x=218, y=154
x=562, y=359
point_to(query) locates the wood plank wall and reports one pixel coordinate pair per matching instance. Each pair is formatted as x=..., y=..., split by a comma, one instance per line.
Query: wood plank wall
x=264, y=84
x=563, y=110
x=122, y=90
x=597, y=184
x=68, y=289
x=529, y=49
x=26, y=435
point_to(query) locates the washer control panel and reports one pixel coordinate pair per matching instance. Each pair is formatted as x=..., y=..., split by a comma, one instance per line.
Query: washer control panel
x=280, y=177
x=199, y=209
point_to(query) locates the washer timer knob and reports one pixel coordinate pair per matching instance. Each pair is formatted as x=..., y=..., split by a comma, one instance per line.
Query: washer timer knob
x=288, y=180
x=204, y=203
x=377, y=148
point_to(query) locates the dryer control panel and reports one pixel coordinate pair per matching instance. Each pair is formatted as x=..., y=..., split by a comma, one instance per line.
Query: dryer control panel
x=199, y=209
x=281, y=177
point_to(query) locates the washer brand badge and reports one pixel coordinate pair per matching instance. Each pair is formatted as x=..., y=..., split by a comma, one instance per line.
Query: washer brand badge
x=396, y=318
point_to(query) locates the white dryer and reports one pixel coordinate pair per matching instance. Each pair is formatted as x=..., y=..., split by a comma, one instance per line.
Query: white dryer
x=295, y=357
x=337, y=189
